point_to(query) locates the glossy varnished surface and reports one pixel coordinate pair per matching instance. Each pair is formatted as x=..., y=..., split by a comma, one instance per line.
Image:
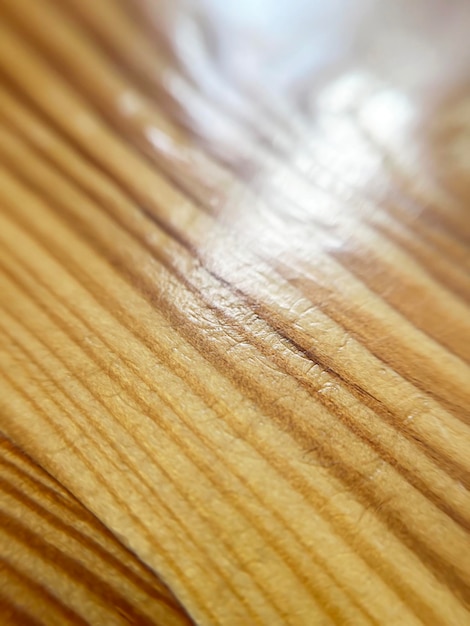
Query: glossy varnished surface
x=234, y=321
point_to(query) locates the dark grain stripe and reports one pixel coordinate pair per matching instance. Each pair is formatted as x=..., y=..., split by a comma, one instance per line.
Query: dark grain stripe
x=9, y=527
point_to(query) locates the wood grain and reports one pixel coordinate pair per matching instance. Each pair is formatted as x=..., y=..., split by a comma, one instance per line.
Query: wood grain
x=234, y=315
x=61, y=565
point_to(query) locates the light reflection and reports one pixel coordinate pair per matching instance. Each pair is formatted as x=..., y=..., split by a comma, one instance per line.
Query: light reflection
x=387, y=115
x=321, y=181
x=314, y=201
x=308, y=99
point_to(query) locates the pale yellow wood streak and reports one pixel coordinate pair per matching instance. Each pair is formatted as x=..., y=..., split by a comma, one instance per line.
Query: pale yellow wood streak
x=60, y=565
x=271, y=412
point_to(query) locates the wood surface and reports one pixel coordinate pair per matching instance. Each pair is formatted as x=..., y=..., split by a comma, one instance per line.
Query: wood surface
x=234, y=313
x=60, y=565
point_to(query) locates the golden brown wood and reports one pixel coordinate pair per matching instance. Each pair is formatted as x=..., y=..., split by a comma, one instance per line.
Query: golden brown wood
x=234, y=312
x=61, y=565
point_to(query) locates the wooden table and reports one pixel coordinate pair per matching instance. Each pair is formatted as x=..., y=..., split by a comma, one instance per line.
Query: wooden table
x=234, y=312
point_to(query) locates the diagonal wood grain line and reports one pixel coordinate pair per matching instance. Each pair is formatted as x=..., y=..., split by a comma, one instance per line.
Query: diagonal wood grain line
x=14, y=577
x=107, y=73
x=103, y=228
x=424, y=368
x=182, y=445
x=60, y=519
x=455, y=324
x=43, y=179
x=85, y=465
x=236, y=346
x=69, y=193
x=49, y=509
x=66, y=565
x=147, y=407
